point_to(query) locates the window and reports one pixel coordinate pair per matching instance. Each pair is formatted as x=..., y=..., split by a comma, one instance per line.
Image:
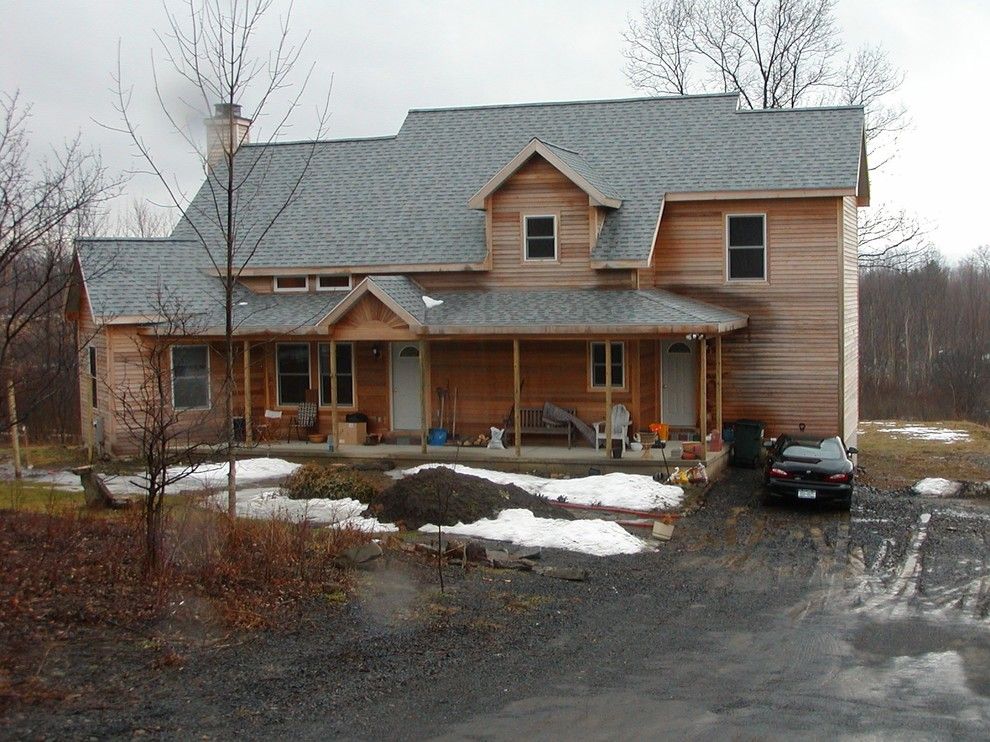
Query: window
x=345, y=374
x=598, y=365
x=746, y=244
x=292, y=360
x=190, y=376
x=333, y=283
x=92, y=374
x=292, y=283
x=540, y=237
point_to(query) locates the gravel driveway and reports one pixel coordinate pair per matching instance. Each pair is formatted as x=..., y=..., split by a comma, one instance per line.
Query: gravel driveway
x=753, y=622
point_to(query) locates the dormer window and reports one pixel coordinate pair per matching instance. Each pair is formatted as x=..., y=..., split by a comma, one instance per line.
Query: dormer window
x=292, y=283
x=540, y=237
x=340, y=282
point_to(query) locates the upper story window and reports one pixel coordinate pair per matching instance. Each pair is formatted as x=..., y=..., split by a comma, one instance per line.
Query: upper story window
x=746, y=247
x=333, y=283
x=540, y=237
x=292, y=283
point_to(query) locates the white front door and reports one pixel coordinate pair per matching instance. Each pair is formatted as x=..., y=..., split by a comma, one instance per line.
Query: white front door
x=679, y=382
x=407, y=387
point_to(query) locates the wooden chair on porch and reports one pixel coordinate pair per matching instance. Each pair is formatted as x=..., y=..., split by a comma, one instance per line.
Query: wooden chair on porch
x=306, y=419
x=269, y=428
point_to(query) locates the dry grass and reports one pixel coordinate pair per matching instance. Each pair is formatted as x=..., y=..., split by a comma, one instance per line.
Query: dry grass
x=892, y=461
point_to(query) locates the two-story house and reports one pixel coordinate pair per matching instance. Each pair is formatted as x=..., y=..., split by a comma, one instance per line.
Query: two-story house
x=702, y=256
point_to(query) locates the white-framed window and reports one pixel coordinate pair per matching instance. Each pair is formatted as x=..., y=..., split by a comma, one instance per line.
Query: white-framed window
x=292, y=372
x=746, y=247
x=540, y=237
x=291, y=283
x=190, y=377
x=345, y=374
x=596, y=359
x=336, y=282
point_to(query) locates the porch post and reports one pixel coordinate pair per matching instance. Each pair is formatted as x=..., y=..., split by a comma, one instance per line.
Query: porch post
x=516, y=394
x=703, y=395
x=424, y=369
x=333, y=394
x=718, y=384
x=248, y=436
x=608, y=398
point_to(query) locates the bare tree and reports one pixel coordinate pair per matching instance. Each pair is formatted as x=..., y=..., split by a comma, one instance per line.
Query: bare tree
x=778, y=54
x=144, y=219
x=44, y=204
x=168, y=440
x=211, y=46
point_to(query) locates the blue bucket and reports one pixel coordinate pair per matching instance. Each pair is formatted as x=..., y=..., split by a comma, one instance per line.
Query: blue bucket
x=437, y=437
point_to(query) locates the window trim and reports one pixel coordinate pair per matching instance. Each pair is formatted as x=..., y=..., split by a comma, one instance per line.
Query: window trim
x=348, y=287
x=765, y=278
x=209, y=376
x=93, y=379
x=278, y=374
x=591, y=367
x=277, y=290
x=525, y=237
x=353, y=375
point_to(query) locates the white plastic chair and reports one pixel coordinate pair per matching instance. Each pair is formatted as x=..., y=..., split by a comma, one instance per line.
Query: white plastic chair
x=621, y=420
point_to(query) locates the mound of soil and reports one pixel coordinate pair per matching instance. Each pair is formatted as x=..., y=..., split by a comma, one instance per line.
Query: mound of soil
x=446, y=497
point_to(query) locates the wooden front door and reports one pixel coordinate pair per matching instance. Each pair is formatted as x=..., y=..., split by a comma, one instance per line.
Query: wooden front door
x=679, y=382
x=407, y=387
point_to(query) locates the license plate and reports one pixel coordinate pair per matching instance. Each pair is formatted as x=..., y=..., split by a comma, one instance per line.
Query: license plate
x=806, y=494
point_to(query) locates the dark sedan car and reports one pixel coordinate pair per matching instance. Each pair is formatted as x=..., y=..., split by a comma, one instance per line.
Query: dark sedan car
x=803, y=467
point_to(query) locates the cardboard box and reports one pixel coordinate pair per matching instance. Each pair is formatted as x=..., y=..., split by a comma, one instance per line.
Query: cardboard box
x=352, y=434
x=662, y=531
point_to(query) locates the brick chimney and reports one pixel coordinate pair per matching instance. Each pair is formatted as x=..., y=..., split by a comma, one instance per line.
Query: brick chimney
x=225, y=117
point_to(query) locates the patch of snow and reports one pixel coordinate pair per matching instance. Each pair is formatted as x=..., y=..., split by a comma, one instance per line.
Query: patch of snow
x=520, y=526
x=925, y=433
x=937, y=487
x=342, y=513
x=249, y=471
x=616, y=490
x=431, y=302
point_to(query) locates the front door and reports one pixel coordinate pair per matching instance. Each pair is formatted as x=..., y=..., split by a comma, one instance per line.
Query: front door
x=407, y=387
x=679, y=382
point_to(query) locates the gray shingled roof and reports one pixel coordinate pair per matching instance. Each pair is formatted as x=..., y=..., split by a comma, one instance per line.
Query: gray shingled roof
x=577, y=163
x=136, y=277
x=561, y=308
x=403, y=200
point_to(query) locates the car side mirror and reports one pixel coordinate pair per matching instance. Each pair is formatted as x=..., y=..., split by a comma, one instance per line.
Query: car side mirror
x=852, y=450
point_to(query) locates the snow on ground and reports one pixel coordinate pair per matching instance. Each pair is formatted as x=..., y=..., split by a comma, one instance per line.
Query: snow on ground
x=249, y=471
x=266, y=503
x=937, y=487
x=921, y=432
x=520, y=526
x=616, y=490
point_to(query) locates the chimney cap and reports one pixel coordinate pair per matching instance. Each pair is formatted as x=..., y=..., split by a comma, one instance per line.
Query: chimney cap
x=227, y=109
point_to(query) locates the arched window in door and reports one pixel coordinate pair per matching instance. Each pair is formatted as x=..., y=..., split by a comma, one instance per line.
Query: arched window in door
x=410, y=351
x=679, y=348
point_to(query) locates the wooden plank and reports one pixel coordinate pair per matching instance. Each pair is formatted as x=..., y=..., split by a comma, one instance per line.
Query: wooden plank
x=516, y=397
x=608, y=398
x=424, y=366
x=703, y=395
x=333, y=392
x=248, y=423
x=718, y=384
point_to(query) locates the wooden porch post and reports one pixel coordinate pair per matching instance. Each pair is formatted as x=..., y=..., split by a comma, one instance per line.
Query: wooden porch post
x=718, y=384
x=608, y=398
x=333, y=394
x=248, y=435
x=516, y=394
x=703, y=395
x=424, y=369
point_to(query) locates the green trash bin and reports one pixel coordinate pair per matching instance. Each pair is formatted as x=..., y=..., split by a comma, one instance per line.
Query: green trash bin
x=747, y=443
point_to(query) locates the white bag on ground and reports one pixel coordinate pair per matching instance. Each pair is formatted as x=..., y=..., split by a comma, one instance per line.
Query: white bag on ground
x=496, y=441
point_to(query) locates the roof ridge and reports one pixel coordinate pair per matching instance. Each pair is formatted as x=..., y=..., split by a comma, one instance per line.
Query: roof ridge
x=799, y=109
x=558, y=146
x=135, y=239
x=296, y=142
x=590, y=101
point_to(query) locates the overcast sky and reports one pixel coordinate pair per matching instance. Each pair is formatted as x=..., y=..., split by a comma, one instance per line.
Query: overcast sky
x=387, y=57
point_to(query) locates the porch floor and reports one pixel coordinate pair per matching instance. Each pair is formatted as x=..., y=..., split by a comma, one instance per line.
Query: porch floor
x=570, y=461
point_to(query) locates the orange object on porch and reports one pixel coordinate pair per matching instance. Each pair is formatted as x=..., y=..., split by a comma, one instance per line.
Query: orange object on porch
x=662, y=430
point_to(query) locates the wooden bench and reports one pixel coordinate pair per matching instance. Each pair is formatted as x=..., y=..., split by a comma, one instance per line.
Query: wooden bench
x=531, y=422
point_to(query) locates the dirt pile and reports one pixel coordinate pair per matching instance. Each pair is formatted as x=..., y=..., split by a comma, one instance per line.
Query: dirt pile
x=446, y=497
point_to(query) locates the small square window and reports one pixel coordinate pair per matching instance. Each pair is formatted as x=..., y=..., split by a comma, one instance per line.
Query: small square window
x=333, y=283
x=540, y=237
x=746, y=247
x=291, y=283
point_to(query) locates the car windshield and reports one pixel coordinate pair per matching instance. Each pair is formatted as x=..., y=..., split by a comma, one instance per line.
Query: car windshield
x=827, y=449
